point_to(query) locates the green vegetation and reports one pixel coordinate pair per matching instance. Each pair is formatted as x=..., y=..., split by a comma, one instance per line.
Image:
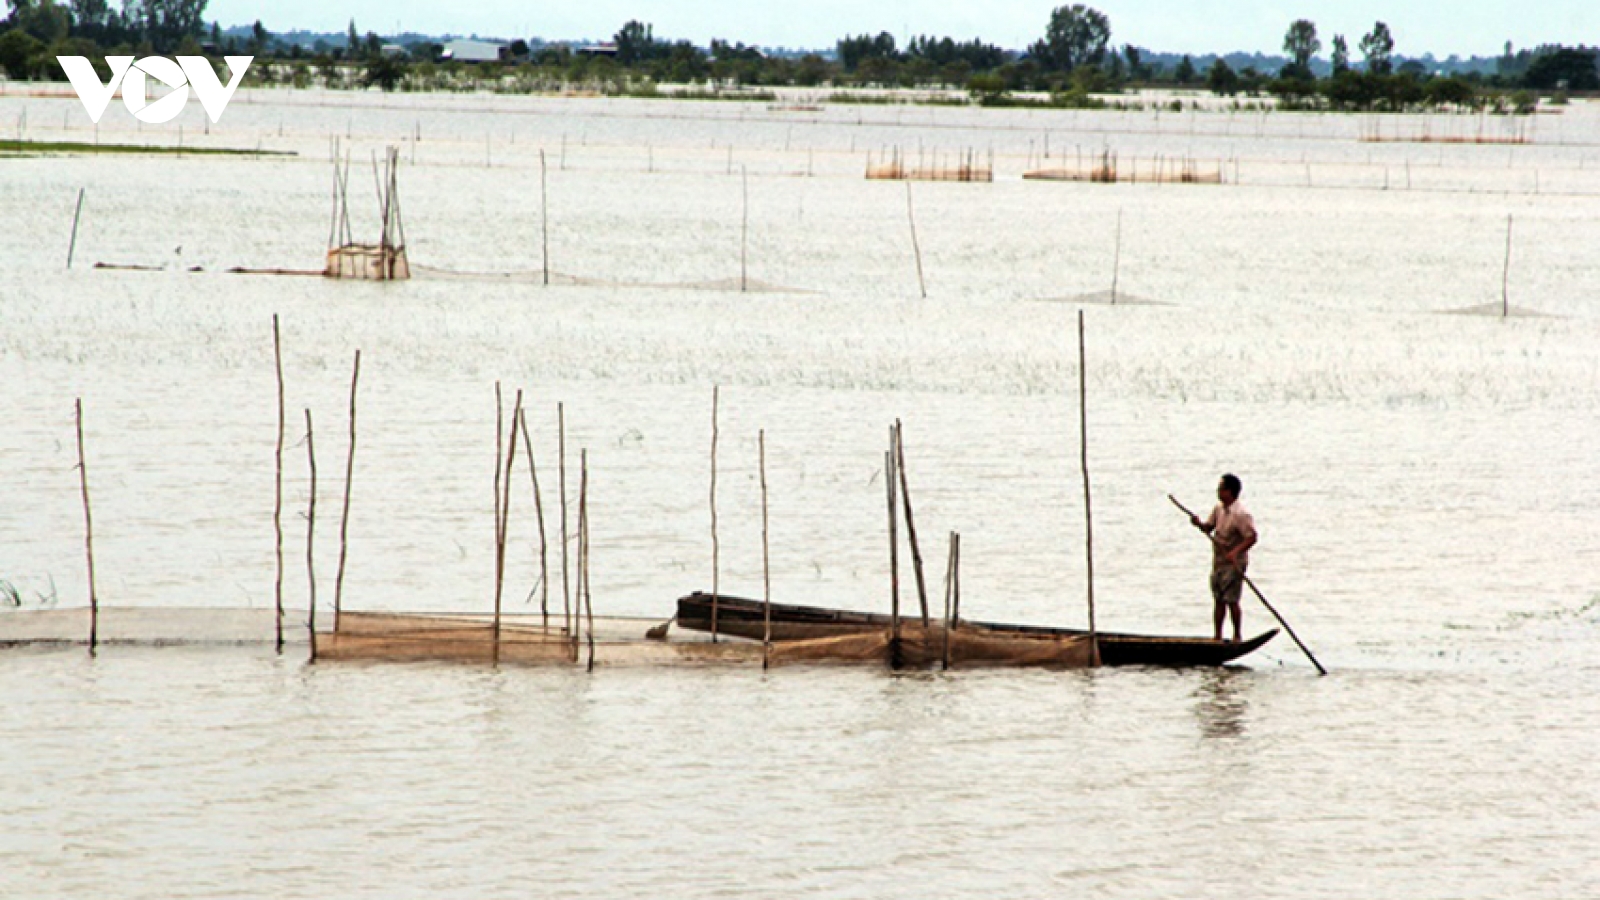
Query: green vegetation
x=1073, y=64
x=13, y=147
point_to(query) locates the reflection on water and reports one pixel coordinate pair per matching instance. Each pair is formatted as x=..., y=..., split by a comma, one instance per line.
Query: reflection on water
x=1220, y=704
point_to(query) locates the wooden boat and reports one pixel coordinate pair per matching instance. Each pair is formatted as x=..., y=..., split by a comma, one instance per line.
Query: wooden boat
x=742, y=617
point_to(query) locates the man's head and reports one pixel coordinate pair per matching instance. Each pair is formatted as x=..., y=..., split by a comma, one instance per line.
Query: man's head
x=1229, y=488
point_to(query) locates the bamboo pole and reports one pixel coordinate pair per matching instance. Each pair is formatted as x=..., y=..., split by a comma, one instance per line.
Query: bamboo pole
x=561, y=476
x=499, y=451
x=344, y=516
x=1116, y=259
x=949, y=587
x=1505, y=275
x=88, y=533
x=583, y=546
x=544, y=217
x=311, y=532
x=744, y=231
x=504, y=506
x=544, y=546
x=894, y=542
x=916, y=249
x=955, y=602
x=277, y=495
x=715, y=549
x=766, y=560
x=1088, y=515
x=78, y=213
x=911, y=525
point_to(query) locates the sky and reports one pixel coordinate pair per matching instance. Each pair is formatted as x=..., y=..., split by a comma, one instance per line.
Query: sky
x=1442, y=27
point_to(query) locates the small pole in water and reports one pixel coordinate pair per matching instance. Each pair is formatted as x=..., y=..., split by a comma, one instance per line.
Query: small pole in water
x=73, y=246
x=766, y=560
x=583, y=546
x=1505, y=275
x=915, y=248
x=88, y=535
x=949, y=584
x=894, y=542
x=277, y=495
x=311, y=531
x=344, y=517
x=1116, y=258
x=911, y=525
x=744, y=231
x=544, y=544
x=714, y=547
x=505, y=517
x=544, y=217
x=561, y=476
x=1088, y=517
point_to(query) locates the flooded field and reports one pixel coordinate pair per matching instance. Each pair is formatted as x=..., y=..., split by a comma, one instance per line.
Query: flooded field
x=1424, y=483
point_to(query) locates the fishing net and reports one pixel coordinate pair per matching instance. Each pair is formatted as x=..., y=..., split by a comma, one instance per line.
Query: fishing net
x=401, y=637
x=919, y=648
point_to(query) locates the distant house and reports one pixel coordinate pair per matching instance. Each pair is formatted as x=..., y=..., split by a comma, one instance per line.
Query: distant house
x=605, y=49
x=462, y=50
x=394, y=50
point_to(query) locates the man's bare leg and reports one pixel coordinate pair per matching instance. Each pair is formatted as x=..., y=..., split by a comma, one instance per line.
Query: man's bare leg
x=1238, y=616
x=1219, y=612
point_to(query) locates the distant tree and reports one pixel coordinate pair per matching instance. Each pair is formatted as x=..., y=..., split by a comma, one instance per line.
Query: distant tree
x=636, y=42
x=1184, y=73
x=1222, y=80
x=1341, y=54
x=1301, y=43
x=353, y=40
x=44, y=20
x=1565, y=68
x=1378, y=46
x=259, y=36
x=859, y=48
x=1453, y=91
x=812, y=71
x=165, y=23
x=1077, y=35
x=21, y=53
x=385, y=71
x=1137, y=70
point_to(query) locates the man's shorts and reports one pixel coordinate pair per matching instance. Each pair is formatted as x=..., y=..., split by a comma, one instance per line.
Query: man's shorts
x=1227, y=584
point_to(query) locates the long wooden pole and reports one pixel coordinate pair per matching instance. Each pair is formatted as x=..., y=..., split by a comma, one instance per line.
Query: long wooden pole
x=955, y=602
x=344, y=516
x=75, y=216
x=583, y=547
x=911, y=524
x=1262, y=597
x=561, y=476
x=744, y=231
x=544, y=217
x=538, y=511
x=894, y=541
x=766, y=561
x=88, y=533
x=715, y=549
x=1505, y=275
x=949, y=587
x=1116, y=259
x=311, y=533
x=277, y=494
x=1088, y=516
x=916, y=249
x=505, y=517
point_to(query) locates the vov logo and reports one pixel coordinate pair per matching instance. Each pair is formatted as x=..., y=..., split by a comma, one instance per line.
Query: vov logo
x=188, y=72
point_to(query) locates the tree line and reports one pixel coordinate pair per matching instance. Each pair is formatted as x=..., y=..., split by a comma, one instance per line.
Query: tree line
x=1073, y=60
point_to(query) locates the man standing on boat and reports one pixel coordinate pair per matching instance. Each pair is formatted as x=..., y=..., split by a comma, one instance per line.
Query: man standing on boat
x=1233, y=533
